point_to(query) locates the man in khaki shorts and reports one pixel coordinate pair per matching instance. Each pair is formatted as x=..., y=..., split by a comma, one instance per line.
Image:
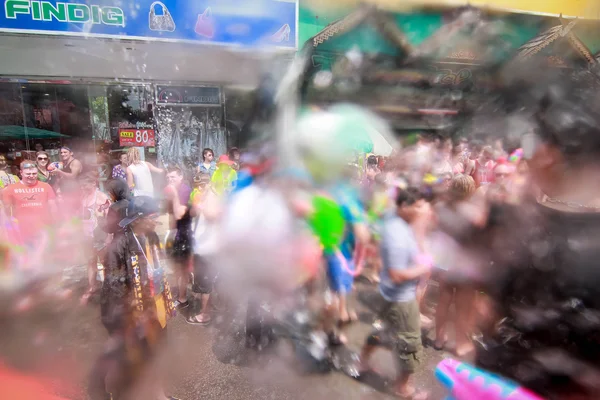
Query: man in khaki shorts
x=399, y=309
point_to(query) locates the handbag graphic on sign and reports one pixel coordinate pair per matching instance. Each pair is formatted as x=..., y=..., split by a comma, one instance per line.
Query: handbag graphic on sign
x=205, y=25
x=160, y=22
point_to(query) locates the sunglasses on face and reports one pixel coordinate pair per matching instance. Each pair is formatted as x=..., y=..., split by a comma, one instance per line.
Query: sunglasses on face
x=501, y=174
x=42, y=158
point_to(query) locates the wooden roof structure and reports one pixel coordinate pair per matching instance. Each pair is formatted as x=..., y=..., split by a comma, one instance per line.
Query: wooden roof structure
x=380, y=20
x=561, y=32
x=443, y=78
x=464, y=22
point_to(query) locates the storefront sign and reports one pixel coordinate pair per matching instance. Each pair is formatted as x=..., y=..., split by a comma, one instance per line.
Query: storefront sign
x=205, y=95
x=140, y=135
x=231, y=22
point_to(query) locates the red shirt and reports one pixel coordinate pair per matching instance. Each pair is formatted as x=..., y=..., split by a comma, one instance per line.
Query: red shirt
x=483, y=174
x=30, y=206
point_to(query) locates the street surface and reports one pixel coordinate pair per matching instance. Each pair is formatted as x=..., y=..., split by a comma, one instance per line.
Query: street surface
x=202, y=364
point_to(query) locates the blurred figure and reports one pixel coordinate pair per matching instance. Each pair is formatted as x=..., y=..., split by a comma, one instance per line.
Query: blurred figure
x=201, y=187
x=498, y=149
x=6, y=178
x=207, y=166
x=474, y=150
x=421, y=225
x=371, y=171
x=94, y=208
x=341, y=262
x=484, y=166
x=541, y=271
x=224, y=178
x=119, y=171
x=458, y=159
x=500, y=190
x=443, y=163
x=139, y=174
x=205, y=209
x=136, y=305
x=119, y=195
x=69, y=172
x=177, y=194
x=378, y=205
x=42, y=161
x=234, y=155
x=403, y=265
x=31, y=203
x=67, y=185
x=461, y=189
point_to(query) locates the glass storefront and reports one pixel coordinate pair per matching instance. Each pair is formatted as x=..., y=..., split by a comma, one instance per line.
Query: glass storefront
x=99, y=121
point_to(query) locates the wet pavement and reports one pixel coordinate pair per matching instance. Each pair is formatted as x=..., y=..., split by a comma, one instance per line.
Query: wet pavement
x=204, y=364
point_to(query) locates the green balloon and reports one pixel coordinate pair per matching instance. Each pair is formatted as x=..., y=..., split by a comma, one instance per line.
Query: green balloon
x=327, y=222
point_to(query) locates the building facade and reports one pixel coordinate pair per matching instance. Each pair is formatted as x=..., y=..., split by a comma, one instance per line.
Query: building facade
x=168, y=76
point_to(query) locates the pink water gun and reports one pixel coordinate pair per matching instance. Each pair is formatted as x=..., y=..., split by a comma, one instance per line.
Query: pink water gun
x=466, y=382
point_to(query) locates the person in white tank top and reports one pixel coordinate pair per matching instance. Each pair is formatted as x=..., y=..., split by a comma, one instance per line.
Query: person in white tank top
x=139, y=174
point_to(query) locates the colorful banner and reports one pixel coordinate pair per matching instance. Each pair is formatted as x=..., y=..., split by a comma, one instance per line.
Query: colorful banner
x=226, y=22
x=589, y=9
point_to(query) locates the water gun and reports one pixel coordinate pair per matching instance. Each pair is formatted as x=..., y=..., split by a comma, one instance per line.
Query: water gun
x=516, y=156
x=466, y=382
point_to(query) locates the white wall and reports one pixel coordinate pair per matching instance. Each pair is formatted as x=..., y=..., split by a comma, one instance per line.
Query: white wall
x=47, y=56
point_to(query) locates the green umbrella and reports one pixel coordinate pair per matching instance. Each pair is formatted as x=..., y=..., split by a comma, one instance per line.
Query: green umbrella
x=21, y=132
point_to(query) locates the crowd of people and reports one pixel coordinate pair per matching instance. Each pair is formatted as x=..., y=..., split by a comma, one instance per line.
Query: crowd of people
x=505, y=230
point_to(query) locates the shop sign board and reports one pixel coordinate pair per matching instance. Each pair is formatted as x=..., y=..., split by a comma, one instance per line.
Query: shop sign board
x=138, y=135
x=188, y=95
x=226, y=22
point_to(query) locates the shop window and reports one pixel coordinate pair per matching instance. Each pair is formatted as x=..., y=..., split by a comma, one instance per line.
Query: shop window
x=239, y=103
x=131, y=120
x=185, y=131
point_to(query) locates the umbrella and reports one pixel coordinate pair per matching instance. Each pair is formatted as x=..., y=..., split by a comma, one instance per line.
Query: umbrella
x=365, y=131
x=21, y=132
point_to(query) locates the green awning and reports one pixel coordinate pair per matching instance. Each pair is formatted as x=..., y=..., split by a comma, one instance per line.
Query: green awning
x=21, y=132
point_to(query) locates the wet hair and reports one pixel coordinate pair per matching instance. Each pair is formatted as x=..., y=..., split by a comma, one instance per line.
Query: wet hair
x=118, y=189
x=27, y=164
x=201, y=178
x=408, y=196
x=232, y=152
x=42, y=153
x=488, y=150
x=174, y=169
x=568, y=118
x=461, y=187
x=206, y=151
x=133, y=156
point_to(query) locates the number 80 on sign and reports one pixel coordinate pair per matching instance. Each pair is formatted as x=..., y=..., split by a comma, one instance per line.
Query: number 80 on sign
x=136, y=137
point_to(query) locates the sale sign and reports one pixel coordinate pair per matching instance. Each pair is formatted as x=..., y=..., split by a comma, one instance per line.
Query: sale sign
x=136, y=137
